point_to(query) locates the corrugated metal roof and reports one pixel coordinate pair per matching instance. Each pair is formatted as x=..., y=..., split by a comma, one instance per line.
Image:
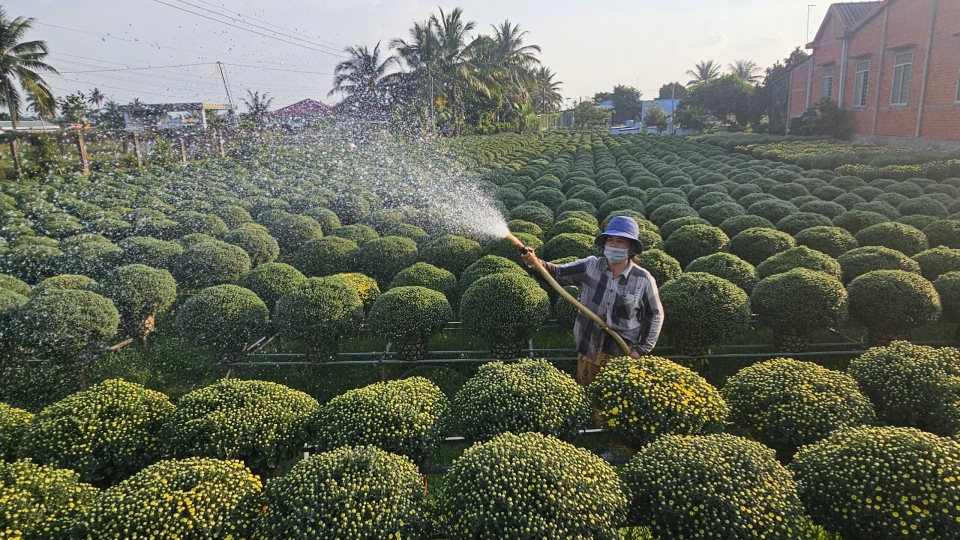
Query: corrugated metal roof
x=854, y=12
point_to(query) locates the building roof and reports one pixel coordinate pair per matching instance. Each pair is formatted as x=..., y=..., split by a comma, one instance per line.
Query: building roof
x=853, y=12
x=178, y=107
x=303, y=109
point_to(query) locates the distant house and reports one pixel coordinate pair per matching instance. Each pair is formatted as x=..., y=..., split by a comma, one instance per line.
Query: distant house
x=36, y=126
x=302, y=110
x=140, y=116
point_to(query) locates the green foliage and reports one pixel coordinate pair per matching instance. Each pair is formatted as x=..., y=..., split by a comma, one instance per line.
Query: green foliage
x=189, y=499
x=799, y=257
x=799, y=300
x=349, y=493
x=40, y=502
x=737, y=224
x=209, y=263
x=192, y=222
x=859, y=261
x=756, y=245
x=718, y=486
x=139, y=293
x=105, y=433
x=936, y=261
x=786, y=404
x=488, y=265
x=945, y=233
x=226, y=318
x=87, y=254
x=662, y=267
x=409, y=314
x=359, y=234
x=319, y=312
x=13, y=423
x=326, y=256
x=855, y=221
x=912, y=385
x=260, y=423
x=504, y=308
x=399, y=416
x=729, y=267
x=555, y=490
x=450, y=252
x=539, y=215
x=65, y=282
x=572, y=225
x=916, y=303
x=531, y=395
x=383, y=258
x=832, y=241
x=62, y=324
x=502, y=248
x=830, y=121
x=13, y=284
x=587, y=115
x=903, y=238
x=149, y=251
x=948, y=287
x=566, y=245
x=691, y=242
x=907, y=491
x=726, y=97
x=674, y=225
x=256, y=242
x=422, y=274
x=703, y=309
x=366, y=287
x=270, y=281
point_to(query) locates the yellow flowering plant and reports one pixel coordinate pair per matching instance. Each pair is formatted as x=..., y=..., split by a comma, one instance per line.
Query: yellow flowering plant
x=13, y=422
x=38, y=502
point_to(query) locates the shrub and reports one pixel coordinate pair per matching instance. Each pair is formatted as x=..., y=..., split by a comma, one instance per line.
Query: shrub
x=786, y=404
x=857, y=262
x=572, y=225
x=13, y=284
x=256, y=242
x=192, y=222
x=773, y=210
x=396, y=416
x=148, y=251
x=568, y=245
x=795, y=223
x=799, y=257
x=757, y=245
x=33, y=262
x=504, y=309
x=667, y=212
x=717, y=486
x=799, y=301
x=520, y=226
x=40, y=502
x=62, y=324
x=944, y=233
x=190, y=499
x=270, y=281
x=881, y=483
x=226, y=318
x=349, y=493
x=911, y=385
x=948, y=287
x=903, y=238
x=260, y=423
x=737, y=224
x=139, y=293
x=366, y=287
x=426, y=275
x=618, y=204
x=383, y=258
x=541, y=215
x=209, y=263
x=700, y=309
x=88, y=255
x=326, y=256
x=502, y=248
x=552, y=198
x=13, y=423
x=694, y=241
x=718, y=213
x=359, y=234
x=65, y=282
x=936, y=261
x=488, y=265
x=823, y=208
x=409, y=315
x=418, y=235
x=453, y=253
x=531, y=395
x=674, y=225
x=661, y=266
x=728, y=267
x=917, y=302
x=555, y=490
x=232, y=215
x=917, y=221
x=832, y=241
x=642, y=399
x=855, y=221
x=105, y=433
x=318, y=313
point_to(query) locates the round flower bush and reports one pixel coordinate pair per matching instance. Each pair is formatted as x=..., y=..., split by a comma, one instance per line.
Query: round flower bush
x=916, y=302
x=87, y=254
x=670, y=211
x=149, y=251
x=209, y=263
x=366, y=287
x=549, y=489
x=270, y=281
x=948, y=287
x=567, y=245
x=520, y=226
x=256, y=241
x=945, y=232
x=189, y=499
x=408, y=317
x=737, y=224
x=139, y=293
x=383, y=258
x=40, y=502
x=531, y=395
x=661, y=266
x=903, y=238
x=936, y=261
x=226, y=318
x=326, y=256
x=712, y=486
x=720, y=212
x=855, y=221
x=759, y=244
x=260, y=423
x=572, y=225
x=832, y=241
x=691, y=242
x=350, y=493
x=727, y=266
x=489, y=265
x=192, y=222
x=642, y=399
x=290, y=230
x=674, y=225
x=799, y=257
x=65, y=282
x=504, y=309
x=859, y=261
x=62, y=324
x=539, y=214
x=700, y=309
x=798, y=302
x=795, y=223
x=426, y=275
x=912, y=385
x=452, y=253
x=13, y=422
x=318, y=313
x=786, y=404
x=13, y=284
x=32, y=262
x=399, y=416
x=772, y=209
x=105, y=433
x=880, y=483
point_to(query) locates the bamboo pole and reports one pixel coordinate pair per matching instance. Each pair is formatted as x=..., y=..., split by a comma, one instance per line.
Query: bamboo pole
x=553, y=283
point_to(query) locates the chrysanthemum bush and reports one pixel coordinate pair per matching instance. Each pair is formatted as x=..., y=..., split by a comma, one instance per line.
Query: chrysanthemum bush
x=62, y=324
x=531, y=486
x=785, y=403
x=408, y=317
x=880, y=483
x=641, y=399
x=912, y=385
x=13, y=423
x=700, y=309
x=504, y=309
x=712, y=486
x=226, y=318
x=366, y=287
x=189, y=499
x=397, y=416
x=798, y=302
x=891, y=302
x=422, y=274
x=40, y=502
x=258, y=422
x=319, y=312
x=139, y=293
x=351, y=493
x=105, y=433
x=531, y=395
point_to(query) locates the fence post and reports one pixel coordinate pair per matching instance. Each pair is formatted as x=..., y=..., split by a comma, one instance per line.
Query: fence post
x=220, y=142
x=183, y=151
x=136, y=149
x=82, y=150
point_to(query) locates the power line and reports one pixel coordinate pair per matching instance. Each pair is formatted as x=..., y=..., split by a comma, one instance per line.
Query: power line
x=140, y=68
x=104, y=36
x=268, y=23
x=277, y=69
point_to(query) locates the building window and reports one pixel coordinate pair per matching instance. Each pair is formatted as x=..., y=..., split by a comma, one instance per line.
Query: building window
x=862, y=84
x=902, y=71
x=826, y=84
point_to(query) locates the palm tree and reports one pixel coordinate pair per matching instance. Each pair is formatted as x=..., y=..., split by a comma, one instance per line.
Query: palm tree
x=422, y=56
x=96, y=98
x=704, y=71
x=20, y=62
x=747, y=70
x=41, y=103
x=258, y=106
x=547, y=90
x=360, y=78
x=458, y=71
x=515, y=60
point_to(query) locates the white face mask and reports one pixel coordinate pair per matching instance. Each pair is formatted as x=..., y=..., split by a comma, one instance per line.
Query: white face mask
x=615, y=254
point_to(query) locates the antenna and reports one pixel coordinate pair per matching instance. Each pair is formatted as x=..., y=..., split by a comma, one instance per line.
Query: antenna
x=809, y=6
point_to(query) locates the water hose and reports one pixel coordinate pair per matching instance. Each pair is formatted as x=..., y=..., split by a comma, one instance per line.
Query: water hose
x=553, y=283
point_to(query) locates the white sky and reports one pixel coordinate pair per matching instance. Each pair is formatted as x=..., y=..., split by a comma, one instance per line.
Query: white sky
x=591, y=45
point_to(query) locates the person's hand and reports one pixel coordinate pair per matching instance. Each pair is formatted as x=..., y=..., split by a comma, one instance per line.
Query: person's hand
x=529, y=256
x=634, y=353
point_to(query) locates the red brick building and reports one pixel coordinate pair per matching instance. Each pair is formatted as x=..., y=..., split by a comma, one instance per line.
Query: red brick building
x=893, y=65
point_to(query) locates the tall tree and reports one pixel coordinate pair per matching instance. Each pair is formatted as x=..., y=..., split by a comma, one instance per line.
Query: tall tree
x=673, y=90
x=258, y=106
x=421, y=54
x=747, y=70
x=726, y=97
x=21, y=62
x=626, y=103
x=41, y=103
x=587, y=115
x=360, y=79
x=457, y=68
x=96, y=98
x=704, y=70
x=515, y=61
x=546, y=90
x=73, y=108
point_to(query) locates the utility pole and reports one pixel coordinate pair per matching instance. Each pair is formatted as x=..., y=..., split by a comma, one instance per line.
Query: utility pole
x=809, y=6
x=226, y=86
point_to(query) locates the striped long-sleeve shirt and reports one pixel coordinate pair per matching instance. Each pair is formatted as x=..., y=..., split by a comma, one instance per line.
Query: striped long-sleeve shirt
x=629, y=303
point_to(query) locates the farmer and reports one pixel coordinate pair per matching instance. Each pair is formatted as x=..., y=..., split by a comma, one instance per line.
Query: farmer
x=618, y=291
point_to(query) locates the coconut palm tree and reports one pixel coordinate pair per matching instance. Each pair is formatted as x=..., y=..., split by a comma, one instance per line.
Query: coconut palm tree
x=747, y=70
x=515, y=61
x=39, y=102
x=546, y=90
x=457, y=70
x=704, y=70
x=96, y=98
x=21, y=62
x=258, y=106
x=360, y=78
x=421, y=55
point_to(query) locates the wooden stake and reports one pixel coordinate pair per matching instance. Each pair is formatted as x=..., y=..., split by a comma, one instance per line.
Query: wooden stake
x=220, y=141
x=82, y=150
x=136, y=149
x=183, y=151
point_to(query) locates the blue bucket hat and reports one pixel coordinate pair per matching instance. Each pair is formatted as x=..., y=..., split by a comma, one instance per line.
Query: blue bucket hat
x=624, y=227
